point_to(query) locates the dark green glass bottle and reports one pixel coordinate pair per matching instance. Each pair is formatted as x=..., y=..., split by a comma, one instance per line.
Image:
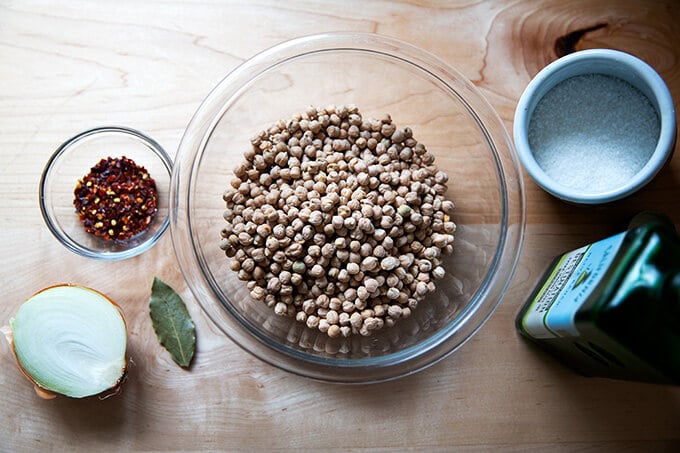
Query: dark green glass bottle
x=612, y=308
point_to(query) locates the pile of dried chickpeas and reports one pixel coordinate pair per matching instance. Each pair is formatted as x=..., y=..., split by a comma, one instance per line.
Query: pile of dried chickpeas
x=338, y=220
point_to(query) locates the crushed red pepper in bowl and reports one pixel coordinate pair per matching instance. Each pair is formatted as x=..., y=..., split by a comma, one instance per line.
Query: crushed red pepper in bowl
x=116, y=200
x=124, y=211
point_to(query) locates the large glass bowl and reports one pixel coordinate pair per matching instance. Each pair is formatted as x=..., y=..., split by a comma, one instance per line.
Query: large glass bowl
x=381, y=76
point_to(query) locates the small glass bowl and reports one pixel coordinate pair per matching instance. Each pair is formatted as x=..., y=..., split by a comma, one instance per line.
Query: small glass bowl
x=73, y=160
x=380, y=75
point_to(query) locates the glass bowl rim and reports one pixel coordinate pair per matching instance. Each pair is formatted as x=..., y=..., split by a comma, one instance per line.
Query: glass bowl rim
x=203, y=124
x=49, y=217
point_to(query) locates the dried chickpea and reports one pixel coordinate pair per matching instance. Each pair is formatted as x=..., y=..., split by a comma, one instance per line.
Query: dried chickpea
x=337, y=220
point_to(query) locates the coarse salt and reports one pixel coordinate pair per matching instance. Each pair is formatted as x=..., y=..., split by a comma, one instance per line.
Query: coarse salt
x=593, y=132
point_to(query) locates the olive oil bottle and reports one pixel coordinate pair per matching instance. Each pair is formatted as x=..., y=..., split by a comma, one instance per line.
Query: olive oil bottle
x=612, y=308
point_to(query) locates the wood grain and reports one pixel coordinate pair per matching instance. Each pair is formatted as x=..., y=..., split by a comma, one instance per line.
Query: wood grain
x=68, y=67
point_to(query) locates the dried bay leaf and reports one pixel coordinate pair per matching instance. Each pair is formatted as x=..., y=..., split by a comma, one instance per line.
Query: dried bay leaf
x=173, y=325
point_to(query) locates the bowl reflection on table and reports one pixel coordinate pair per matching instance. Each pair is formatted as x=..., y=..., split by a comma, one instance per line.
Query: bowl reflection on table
x=381, y=76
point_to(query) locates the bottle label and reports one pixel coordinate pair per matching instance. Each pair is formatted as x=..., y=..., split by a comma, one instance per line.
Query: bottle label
x=552, y=312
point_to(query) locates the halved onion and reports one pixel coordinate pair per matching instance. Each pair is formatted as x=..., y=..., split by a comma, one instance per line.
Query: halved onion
x=70, y=340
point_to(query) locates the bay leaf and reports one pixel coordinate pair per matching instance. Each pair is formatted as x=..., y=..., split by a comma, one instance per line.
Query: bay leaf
x=172, y=322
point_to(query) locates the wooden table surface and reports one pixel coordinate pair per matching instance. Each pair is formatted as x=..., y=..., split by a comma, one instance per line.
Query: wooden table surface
x=67, y=67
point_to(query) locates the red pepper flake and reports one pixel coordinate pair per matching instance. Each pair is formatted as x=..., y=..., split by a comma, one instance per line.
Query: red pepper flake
x=117, y=200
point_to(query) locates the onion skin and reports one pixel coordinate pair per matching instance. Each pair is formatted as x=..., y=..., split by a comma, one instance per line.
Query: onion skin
x=48, y=394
